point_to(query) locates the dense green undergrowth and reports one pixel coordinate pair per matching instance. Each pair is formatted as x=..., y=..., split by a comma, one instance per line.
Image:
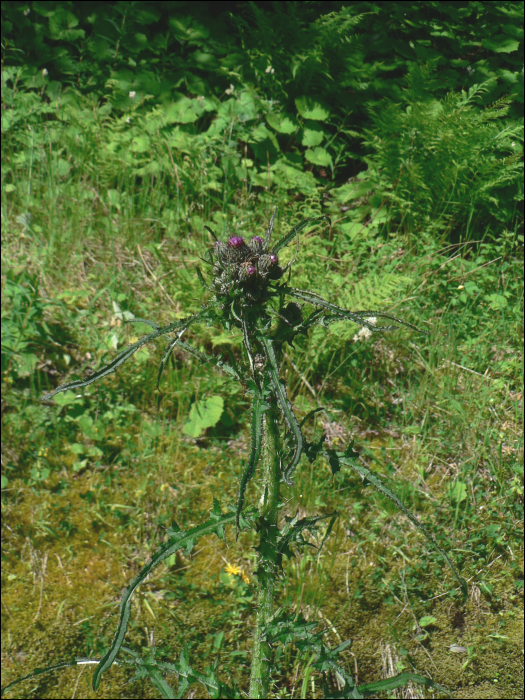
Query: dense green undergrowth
x=105, y=197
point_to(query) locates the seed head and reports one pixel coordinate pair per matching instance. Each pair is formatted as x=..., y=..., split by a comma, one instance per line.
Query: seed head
x=246, y=272
x=267, y=263
x=237, y=249
x=257, y=245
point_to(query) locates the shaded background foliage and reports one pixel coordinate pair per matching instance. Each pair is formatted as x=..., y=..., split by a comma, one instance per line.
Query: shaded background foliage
x=304, y=81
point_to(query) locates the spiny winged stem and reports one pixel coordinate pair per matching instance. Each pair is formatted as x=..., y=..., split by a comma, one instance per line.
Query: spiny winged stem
x=267, y=564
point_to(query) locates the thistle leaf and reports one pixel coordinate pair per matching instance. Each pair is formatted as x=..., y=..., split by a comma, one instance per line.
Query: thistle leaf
x=338, y=312
x=284, y=405
x=367, y=475
x=270, y=229
x=289, y=236
x=258, y=409
x=177, y=540
x=128, y=352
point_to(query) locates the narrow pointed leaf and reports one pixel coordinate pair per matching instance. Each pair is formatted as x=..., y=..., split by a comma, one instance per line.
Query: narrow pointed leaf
x=145, y=321
x=258, y=408
x=396, y=682
x=297, y=229
x=285, y=406
x=202, y=280
x=379, y=486
x=127, y=353
x=317, y=300
x=80, y=661
x=310, y=414
x=216, y=362
x=270, y=227
x=178, y=540
x=210, y=231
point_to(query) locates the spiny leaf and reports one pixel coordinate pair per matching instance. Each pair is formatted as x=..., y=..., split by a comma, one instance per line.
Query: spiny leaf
x=210, y=231
x=292, y=531
x=152, y=324
x=216, y=362
x=112, y=366
x=188, y=676
x=270, y=228
x=177, y=540
x=247, y=344
x=382, y=314
x=285, y=406
x=80, y=661
x=310, y=414
x=166, y=355
x=202, y=280
x=258, y=408
x=317, y=300
x=379, y=486
x=129, y=351
x=289, y=236
x=396, y=682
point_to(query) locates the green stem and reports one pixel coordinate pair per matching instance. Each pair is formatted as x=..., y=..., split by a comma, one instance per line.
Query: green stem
x=267, y=564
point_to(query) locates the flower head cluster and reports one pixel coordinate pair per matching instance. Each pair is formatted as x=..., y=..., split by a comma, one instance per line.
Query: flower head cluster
x=245, y=266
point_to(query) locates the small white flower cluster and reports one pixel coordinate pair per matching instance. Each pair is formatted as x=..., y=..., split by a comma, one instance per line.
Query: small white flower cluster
x=365, y=333
x=270, y=70
x=132, y=94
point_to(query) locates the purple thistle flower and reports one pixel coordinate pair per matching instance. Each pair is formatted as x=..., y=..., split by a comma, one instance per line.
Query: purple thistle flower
x=236, y=242
x=251, y=270
x=274, y=259
x=257, y=239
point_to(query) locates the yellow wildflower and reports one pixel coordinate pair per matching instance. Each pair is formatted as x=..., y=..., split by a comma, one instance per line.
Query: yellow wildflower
x=234, y=570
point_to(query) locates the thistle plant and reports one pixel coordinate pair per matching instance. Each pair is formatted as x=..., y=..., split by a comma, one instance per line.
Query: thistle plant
x=251, y=292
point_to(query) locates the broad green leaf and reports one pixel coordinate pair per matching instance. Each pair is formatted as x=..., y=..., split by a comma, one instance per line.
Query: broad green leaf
x=184, y=111
x=496, y=301
x=204, y=414
x=318, y=156
x=501, y=44
x=68, y=398
x=312, y=137
x=259, y=134
x=25, y=364
x=293, y=178
x=427, y=620
x=352, y=190
x=282, y=122
x=245, y=107
x=310, y=109
x=458, y=492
